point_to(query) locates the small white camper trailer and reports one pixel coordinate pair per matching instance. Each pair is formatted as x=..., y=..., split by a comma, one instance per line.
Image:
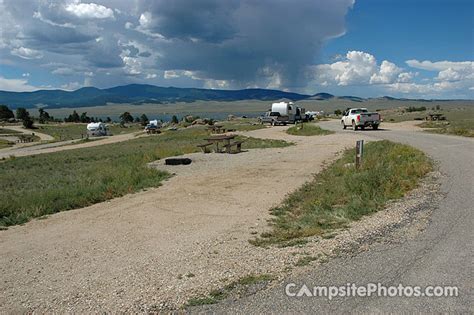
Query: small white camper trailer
x=289, y=110
x=157, y=123
x=153, y=126
x=97, y=129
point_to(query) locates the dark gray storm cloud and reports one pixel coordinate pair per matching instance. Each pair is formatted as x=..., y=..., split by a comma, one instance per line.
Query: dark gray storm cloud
x=246, y=42
x=225, y=43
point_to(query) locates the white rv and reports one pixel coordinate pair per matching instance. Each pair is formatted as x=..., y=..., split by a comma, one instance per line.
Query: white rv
x=157, y=123
x=290, y=111
x=153, y=126
x=97, y=129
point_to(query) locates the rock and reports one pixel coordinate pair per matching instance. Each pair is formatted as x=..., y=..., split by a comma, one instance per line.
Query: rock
x=198, y=122
x=189, y=119
x=231, y=117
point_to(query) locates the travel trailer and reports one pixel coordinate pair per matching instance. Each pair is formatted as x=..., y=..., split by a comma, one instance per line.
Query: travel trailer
x=97, y=129
x=290, y=111
x=153, y=126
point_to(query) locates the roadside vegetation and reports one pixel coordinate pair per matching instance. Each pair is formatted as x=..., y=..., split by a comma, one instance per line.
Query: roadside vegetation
x=38, y=185
x=243, y=124
x=341, y=194
x=458, y=121
x=307, y=129
x=5, y=131
x=5, y=144
x=458, y=128
x=242, y=284
x=71, y=131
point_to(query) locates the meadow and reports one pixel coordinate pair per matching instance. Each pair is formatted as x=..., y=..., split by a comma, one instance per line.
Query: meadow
x=6, y=131
x=307, y=129
x=38, y=185
x=5, y=144
x=459, y=121
x=251, y=108
x=70, y=131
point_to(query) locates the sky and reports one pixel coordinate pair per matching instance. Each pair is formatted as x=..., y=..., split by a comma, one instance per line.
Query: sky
x=367, y=48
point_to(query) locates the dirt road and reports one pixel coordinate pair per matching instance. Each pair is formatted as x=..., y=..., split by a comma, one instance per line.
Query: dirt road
x=42, y=136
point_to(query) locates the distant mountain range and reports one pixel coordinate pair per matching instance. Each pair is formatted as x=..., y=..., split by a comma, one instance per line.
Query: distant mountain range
x=140, y=93
x=136, y=94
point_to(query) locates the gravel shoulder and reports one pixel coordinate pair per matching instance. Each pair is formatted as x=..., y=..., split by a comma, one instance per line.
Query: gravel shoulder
x=158, y=248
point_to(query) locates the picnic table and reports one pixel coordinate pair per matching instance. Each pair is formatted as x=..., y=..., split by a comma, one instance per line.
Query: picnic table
x=435, y=117
x=222, y=141
x=217, y=129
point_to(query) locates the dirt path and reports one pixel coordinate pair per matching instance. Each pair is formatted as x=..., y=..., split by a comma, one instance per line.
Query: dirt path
x=42, y=136
x=63, y=145
x=158, y=248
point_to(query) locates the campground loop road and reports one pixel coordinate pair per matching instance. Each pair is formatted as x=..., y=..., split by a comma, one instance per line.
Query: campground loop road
x=441, y=255
x=42, y=136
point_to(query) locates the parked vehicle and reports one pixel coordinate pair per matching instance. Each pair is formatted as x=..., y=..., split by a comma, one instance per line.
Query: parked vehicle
x=289, y=110
x=360, y=118
x=97, y=129
x=284, y=113
x=153, y=126
x=314, y=114
x=273, y=118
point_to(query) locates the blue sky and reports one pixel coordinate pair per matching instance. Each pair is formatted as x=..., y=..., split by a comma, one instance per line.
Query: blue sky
x=400, y=30
x=368, y=48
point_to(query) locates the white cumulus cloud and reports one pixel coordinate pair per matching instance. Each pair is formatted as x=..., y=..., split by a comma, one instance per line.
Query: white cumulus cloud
x=439, y=65
x=150, y=76
x=171, y=74
x=358, y=68
x=388, y=73
x=90, y=11
x=27, y=53
x=16, y=85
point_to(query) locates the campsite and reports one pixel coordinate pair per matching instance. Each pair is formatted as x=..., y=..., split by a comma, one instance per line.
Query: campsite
x=236, y=157
x=216, y=200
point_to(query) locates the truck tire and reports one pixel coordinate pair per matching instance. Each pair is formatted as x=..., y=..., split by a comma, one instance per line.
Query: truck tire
x=362, y=127
x=375, y=127
x=354, y=126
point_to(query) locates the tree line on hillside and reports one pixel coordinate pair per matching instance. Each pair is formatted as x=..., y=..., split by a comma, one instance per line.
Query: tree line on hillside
x=22, y=114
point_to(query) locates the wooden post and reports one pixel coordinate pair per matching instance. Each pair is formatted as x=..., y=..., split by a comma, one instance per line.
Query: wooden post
x=359, y=153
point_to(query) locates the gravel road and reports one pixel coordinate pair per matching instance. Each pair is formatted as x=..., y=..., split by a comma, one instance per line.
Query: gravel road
x=42, y=136
x=442, y=254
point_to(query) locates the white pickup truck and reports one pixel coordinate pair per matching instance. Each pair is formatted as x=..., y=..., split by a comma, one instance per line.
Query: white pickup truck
x=360, y=118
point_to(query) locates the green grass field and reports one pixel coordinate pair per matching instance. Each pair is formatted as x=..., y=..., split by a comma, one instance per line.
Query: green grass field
x=341, y=194
x=5, y=144
x=6, y=131
x=242, y=124
x=307, y=129
x=459, y=121
x=43, y=184
x=70, y=131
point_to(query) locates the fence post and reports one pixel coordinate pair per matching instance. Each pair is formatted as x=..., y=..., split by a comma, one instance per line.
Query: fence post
x=359, y=153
